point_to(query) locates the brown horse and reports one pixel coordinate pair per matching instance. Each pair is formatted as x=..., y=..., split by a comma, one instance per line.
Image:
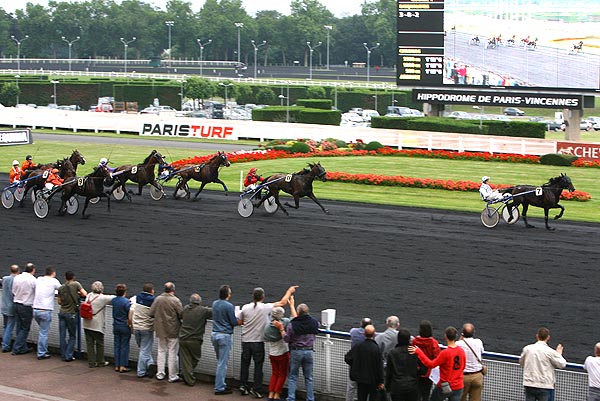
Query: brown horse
x=298, y=185
x=205, y=173
x=142, y=174
x=547, y=197
x=91, y=186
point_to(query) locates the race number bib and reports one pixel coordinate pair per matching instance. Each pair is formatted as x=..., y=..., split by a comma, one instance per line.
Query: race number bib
x=197, y=169
x=45, y=174
x=134, y=170
x=288, y=178
x=539, y=191
x=80, y=181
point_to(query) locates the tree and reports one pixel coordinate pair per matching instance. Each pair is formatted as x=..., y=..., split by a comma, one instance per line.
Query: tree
x=316, y=92
x=8, y=94
x=265, y=96
x=200, y=88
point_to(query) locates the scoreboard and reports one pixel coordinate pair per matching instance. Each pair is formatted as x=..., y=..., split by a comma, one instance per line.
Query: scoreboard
x=420, y=43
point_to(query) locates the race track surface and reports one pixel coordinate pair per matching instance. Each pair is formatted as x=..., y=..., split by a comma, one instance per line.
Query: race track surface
x=362, y=260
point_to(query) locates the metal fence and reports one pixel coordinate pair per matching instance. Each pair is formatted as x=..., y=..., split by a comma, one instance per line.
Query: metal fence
x=502, y=383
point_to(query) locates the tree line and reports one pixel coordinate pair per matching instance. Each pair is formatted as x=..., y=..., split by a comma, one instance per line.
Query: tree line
x=106, y=29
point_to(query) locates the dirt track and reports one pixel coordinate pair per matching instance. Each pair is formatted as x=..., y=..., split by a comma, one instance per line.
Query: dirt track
x=361, y=260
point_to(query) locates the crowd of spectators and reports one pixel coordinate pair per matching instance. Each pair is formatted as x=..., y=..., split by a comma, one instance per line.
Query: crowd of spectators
x=392, y=365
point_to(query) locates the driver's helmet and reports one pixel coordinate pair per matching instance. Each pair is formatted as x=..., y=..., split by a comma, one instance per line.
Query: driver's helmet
x=28, y=157
x=15, y=163
x=485, y=178
x=54, y=170
x=252, y=170
x=103, y=161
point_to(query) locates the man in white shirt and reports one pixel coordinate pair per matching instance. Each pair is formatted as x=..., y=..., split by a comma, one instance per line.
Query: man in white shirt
x=255, y=317
x=592, y=366
x=43, y=305
x=24, y=292
x=486, y=191
x=539, y=362
x=473, y=376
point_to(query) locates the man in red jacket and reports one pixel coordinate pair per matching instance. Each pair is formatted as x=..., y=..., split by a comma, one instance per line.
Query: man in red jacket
x=252, y=178
x=452, y=362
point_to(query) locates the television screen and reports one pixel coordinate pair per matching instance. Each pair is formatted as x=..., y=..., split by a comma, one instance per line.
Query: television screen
x=538, y=44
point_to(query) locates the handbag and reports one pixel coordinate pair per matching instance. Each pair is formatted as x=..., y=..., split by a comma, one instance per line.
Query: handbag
x=484, y=368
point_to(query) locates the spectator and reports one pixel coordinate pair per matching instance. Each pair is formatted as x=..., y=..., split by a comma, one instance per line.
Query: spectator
x=43, y=306
x=403, y=371
x=279, y=353
x=592, y=366
x=68, y=299
x=94, y=327
x=431, y=348
x=539, y=362
x=143, y=328
x=8, y=309
x=255, y=316
x=191, y=336
x=121, y=328
x=366, y=366
x=452, y=364
x=389, y=338
x=473, y=375
x=24, y=292
x=300, y=335
x=166, y=311
x=357, y=336
x=224, y=321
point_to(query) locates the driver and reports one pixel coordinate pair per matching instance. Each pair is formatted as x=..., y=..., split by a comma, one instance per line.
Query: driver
x=252, y=178
x=53, y=179
x=15, y=172
x=27, y=164
x=104, y=163
x=487, y=193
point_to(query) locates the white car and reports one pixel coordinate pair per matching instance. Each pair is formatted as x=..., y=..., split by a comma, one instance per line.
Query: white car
x=352, y=120
x=460, y=115
x=595, y=122
x=367, y=114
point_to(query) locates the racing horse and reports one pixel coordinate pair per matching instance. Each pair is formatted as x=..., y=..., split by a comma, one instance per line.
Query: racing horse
x=205, y=173
x=142, y=174
x=38, y=180
x=547, y=197
x=90, y=186
x=298, y=185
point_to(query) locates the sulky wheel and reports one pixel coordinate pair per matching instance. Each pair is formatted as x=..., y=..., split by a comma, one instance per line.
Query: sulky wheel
x=41, y=208
x=270, y=205
x=95, y=200
x=19, y=193
x=506, y=214
x=8, y=199
x=118, y=193
x=156, y=193
x=72, y=205
x=245, y=207
x=490, y=217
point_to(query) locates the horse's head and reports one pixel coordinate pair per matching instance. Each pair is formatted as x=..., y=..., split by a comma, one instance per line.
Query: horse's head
x=223, y=160
x=101, y=171
x=565, y=182
x=66, y=169
x=318, y=171
x=77, y=158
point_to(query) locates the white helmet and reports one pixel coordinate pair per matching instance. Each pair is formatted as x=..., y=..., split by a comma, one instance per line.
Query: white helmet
x=15, y=162
x=103, y=160
x=484, y=178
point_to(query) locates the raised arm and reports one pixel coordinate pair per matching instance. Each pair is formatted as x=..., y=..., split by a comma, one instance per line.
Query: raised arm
x=284, y=300
x=292, y=303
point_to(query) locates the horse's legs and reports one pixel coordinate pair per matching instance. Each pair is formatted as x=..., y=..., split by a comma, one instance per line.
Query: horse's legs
x=200, y=189
x=546, y=210
x=524, y=214
x=296, y=204
x=312, y=196
x=562, y=210
x=140, y=187
x=87, y=202
x=275, y=195
x=224, y=186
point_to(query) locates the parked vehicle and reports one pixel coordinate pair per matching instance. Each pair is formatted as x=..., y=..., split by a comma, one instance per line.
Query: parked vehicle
x=367, y=114
x=461, y=115
x=402, y=111
x=513, y=111
x=595, y=122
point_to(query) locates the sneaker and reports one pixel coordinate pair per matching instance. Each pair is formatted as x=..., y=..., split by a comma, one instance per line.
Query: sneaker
x=224, y=392
x=160, y=376
x=102, y=364
x=45, y=356
x=244, y=390
x=177, y=379
x=255, y=393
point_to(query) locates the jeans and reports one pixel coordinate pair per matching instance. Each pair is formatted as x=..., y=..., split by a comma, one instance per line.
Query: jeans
x=437, y=395
x=23, y=316
x=144, y=339
x=537, y=394
x=594, y=394
x=304, y=359
x=7, y=331
x=43, y=319
x=122, y=335
x=67, y=322
x=222, y=345
x=256, y=352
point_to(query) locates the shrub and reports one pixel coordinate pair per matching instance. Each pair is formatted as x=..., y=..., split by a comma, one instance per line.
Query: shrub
x=373, y=145
x=557, y=159
x=300, y=147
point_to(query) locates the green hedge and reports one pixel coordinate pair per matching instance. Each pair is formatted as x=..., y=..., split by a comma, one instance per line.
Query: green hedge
x=324, y=104
x=557, y=159
x=277, y=114
x=316, y=116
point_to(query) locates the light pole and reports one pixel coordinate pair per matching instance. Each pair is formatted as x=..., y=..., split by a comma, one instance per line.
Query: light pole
x=287, y=101
x=70, y=43
x=202, y=51
x=181, y=82
x=225, y=86
x=375, y=97
x=264, y=42
x=239, y=26
x=17, y=81
x=328, y=28
x=311, y=50
x=18, y=42
x=54, y=82
x=169, y=25
x=369, y=49
x=125, y=46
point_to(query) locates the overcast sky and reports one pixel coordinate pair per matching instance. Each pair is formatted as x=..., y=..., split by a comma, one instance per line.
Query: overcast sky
x=340, y=8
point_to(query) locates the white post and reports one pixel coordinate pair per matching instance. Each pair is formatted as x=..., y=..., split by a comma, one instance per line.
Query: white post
x=461, y=145
x=241, y=180
x=429, y=142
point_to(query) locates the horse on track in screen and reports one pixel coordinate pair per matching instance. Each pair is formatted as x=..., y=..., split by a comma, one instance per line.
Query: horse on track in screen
x=142, y=174
x=205, y=173
x=298, y=185
x=91, y=186
x=38, y=180
x=547, y=197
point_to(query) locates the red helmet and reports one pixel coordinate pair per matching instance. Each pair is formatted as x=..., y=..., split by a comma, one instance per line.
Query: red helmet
x=252, y=170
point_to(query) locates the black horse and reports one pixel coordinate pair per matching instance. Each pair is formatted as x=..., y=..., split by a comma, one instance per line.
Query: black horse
x=547, y=197
x=90, y=186
x=298, y=185
x=204, y=173
x=142, y=174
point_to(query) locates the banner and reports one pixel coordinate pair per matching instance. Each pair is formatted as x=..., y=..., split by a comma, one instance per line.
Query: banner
x=585, y=151
x=16, y=137
x=206, y=131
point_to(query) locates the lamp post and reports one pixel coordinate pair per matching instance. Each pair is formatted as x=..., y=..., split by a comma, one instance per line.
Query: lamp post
x=70, y=43
x=239, y=26
x=369, y=49
x=18, y=42
x=287, y=100
x=125, y=46
x=264, y=42
x=202, y=50
x=18, y=90
x=169, y=25
x=54, y=82
x=225, y=86
x=181, y=82
x=311, y=50
x=328, y=28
